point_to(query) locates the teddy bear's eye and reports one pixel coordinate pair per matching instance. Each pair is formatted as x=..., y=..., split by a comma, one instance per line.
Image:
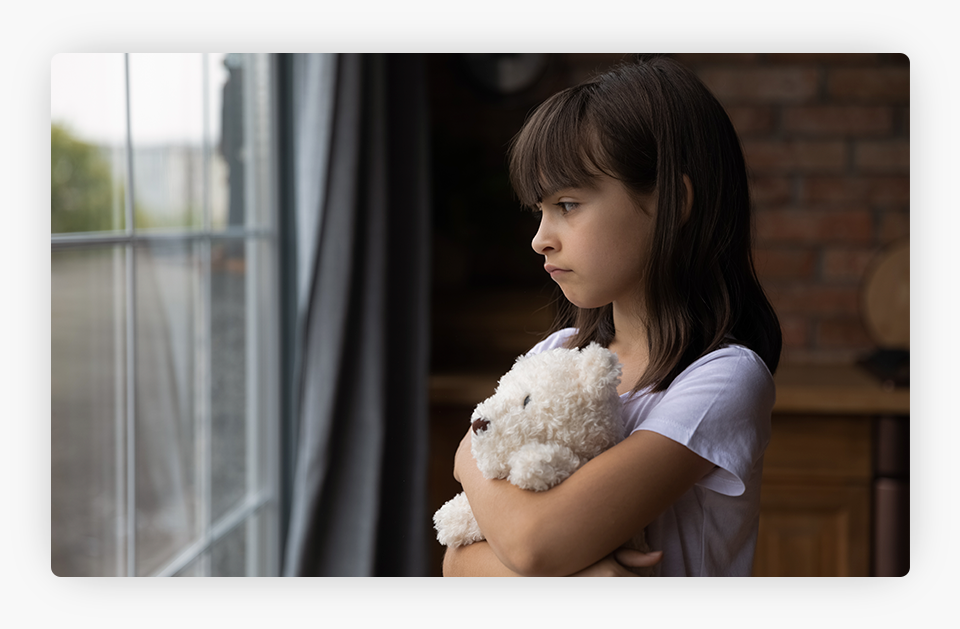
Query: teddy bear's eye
x=526, y=400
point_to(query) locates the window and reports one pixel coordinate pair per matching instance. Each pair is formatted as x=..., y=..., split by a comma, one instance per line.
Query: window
x=164, y=320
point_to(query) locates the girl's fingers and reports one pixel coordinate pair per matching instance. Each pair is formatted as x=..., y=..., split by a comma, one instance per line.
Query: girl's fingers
x=636, y=559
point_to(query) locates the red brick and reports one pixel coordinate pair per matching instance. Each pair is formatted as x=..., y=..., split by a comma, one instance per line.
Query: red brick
x=764, y=156
x=794, y=298
x=890, y=156
x=806, y=226
x=771, y=190
x=856, y=120
x=762, y=85
x=826, y=58
x=843, y=332
x=885, y=190
x=750, y=120
x=846, y=264
x=885, y=84
x=778, y=263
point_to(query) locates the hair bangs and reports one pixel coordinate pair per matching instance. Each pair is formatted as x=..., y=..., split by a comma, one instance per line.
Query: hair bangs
x=557, y=148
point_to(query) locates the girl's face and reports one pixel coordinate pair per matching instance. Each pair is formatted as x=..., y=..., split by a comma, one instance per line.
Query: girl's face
x=595, y=242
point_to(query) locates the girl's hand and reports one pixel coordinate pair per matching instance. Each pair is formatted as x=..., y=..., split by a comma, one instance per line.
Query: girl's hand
x=611, y=566
x=636, y=559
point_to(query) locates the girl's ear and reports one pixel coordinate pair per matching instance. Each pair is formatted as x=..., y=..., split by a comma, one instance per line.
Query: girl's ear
x=688, y=198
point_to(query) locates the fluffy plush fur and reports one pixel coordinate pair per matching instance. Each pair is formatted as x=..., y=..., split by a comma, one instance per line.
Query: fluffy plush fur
x=550, y=414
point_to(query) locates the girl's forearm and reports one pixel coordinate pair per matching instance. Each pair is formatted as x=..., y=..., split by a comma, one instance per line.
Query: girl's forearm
x=511, y=518
x=586, y=517
x=475, y=560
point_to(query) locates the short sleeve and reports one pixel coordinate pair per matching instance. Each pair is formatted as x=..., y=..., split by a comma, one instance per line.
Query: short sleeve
x=719, y=408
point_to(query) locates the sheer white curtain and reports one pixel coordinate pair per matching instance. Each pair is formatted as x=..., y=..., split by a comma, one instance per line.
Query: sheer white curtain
x=359, y=495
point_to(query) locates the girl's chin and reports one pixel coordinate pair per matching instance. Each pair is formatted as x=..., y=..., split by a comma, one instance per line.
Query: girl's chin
x=580, y=302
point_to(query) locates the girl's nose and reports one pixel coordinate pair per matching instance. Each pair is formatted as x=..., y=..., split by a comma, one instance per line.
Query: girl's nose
x=544, y=240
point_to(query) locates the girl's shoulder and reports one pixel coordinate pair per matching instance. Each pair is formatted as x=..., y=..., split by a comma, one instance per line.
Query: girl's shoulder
x=733, y=372
x=731, y=359
x=731, y=381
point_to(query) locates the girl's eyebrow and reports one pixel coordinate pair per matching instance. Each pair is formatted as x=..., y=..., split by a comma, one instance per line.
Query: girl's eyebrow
x=574, y=190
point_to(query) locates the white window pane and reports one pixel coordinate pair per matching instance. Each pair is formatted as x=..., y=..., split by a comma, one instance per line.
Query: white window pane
x=167, y=124
x=259, y=133
x=227, y=107
x=228, y=555
x=88, y=161
x=262, y=343
x=263, y=552
x=87, y=412
x=194, y=568
x=167, y=450
x=228, y=375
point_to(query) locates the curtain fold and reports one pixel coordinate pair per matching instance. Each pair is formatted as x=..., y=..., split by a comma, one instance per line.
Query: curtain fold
x=359, y=496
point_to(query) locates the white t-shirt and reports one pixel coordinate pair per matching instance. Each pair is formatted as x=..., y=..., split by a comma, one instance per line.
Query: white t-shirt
x=719, y=407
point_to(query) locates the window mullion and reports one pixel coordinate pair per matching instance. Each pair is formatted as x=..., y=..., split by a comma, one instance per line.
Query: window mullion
x=120, y=413
x=131, y=327
x=203, y=408
x=251, y=211
x=204, y=346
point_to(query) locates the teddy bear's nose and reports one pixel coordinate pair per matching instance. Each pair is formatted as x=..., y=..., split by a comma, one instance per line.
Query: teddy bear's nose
x=479, y=425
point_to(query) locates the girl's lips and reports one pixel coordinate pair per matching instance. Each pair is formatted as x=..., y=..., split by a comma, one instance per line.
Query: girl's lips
x=554, y=271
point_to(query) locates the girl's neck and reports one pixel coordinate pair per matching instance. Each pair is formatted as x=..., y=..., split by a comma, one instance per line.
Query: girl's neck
x=630, y=345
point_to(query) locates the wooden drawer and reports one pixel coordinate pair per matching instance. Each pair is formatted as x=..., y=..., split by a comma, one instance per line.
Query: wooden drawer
x=815, y=500
x=814, y=531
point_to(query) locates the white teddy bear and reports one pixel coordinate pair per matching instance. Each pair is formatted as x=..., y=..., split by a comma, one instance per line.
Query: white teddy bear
x=550, y=414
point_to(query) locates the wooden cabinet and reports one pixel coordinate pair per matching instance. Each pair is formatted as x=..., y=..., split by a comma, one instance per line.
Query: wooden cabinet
x=817, y=514
x=815, y=499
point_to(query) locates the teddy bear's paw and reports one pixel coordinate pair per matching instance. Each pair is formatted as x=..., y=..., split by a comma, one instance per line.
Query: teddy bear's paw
x=455, y=523
x=540, y=466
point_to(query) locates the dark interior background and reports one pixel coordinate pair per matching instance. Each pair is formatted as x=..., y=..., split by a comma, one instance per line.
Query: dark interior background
x=826, y=137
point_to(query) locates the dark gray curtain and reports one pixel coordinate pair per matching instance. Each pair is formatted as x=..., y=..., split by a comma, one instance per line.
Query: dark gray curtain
x=359, y=501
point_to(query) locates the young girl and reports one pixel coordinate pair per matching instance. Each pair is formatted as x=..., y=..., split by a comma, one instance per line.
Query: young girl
x=645, y=225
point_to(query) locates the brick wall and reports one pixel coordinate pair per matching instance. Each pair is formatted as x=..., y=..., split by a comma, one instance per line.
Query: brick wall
x=826, y=138
x=827, y=142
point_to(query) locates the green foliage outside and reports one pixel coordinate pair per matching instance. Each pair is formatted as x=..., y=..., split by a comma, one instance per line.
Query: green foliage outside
x=82, y=191
x=84, y=196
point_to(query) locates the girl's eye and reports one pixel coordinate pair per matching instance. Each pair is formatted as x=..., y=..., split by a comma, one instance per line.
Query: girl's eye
x=566, y=206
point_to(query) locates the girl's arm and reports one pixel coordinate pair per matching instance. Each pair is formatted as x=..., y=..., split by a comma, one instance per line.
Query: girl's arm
x=475, y=560
x=586, y=517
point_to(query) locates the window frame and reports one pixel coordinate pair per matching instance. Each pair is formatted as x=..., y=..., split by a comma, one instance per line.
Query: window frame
x=259, y=509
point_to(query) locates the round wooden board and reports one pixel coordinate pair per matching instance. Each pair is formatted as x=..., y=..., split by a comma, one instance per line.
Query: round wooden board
x=886, y=298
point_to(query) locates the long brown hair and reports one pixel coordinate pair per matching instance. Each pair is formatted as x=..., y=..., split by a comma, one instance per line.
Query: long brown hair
x=647, y=123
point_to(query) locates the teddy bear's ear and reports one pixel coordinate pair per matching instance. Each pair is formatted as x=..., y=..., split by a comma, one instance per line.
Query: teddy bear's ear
x=599, y=365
